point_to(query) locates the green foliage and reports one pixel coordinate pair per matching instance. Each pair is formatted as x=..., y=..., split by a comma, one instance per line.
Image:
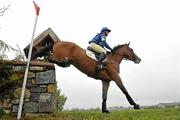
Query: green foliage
x=4, y=82
x=1, y=112
x=60, y=100
x=4, y=74
x=9, y=80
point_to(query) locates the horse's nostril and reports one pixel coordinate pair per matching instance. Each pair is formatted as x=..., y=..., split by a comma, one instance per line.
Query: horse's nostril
x=138, y=60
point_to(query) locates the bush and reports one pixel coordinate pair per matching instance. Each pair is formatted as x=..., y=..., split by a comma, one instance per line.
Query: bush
x=60, y=100
x=1, y=112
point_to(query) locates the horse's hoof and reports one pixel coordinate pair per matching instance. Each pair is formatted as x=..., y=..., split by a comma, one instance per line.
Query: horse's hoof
x=136, y=106
x=106, y=111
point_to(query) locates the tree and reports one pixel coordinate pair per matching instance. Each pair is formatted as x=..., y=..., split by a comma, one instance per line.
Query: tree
x=3, y=48
x=60, y=100
x=3, y=10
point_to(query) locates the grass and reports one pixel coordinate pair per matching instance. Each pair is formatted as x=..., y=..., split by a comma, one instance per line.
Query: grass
x=146, y=114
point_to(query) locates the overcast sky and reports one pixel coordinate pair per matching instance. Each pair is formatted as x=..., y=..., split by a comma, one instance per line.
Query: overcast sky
x=152, y=26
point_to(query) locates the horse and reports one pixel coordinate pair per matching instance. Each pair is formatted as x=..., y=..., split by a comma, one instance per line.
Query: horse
x=65, y=53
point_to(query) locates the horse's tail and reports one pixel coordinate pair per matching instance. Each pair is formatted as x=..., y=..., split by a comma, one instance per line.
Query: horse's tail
x=45, y=51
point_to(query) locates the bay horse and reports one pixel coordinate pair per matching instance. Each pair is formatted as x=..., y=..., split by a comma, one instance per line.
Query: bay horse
x=66, y=53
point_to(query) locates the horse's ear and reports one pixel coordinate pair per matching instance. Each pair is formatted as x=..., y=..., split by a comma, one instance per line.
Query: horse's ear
x=129, y=43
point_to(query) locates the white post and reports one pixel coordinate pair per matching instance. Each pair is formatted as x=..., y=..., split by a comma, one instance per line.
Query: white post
x=26, y=71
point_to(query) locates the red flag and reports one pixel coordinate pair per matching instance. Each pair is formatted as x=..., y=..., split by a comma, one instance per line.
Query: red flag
x=37, y=8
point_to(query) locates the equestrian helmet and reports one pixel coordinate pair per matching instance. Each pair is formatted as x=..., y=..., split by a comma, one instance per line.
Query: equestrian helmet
x=104, y=29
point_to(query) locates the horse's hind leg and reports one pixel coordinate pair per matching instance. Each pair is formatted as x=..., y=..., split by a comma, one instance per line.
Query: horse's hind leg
x=130, y=100
x=63, y=62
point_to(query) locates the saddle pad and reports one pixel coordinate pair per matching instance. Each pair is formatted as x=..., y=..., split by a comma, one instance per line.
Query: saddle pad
x=91, y=55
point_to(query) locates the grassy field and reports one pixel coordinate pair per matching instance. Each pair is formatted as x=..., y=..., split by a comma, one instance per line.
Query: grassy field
x=146, y=114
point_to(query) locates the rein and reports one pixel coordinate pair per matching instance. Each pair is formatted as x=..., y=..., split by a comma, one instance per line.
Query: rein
x=120, y=55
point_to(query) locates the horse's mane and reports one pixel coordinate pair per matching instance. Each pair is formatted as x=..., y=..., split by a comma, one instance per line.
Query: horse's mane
x=117, y=47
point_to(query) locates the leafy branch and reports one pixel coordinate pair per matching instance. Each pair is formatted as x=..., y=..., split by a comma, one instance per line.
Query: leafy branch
x=3, y=48
x=3, y=9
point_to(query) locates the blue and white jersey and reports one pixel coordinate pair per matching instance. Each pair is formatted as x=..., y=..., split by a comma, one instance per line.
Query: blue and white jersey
x=100, y=39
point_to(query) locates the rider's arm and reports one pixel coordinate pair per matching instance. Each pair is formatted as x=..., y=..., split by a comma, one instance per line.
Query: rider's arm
x=103, y=39
x=106, y=45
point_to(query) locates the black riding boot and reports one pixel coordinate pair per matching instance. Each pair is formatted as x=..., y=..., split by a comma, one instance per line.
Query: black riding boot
x=101, y=66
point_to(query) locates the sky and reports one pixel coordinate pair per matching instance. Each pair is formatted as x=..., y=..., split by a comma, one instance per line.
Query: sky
x=152, y=26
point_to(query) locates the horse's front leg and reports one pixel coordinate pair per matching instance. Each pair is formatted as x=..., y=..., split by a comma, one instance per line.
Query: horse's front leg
x=63, y=62
x=105, y=86
x=119, y=83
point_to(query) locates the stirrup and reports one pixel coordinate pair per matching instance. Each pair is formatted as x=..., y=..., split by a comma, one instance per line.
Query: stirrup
x=101, y=67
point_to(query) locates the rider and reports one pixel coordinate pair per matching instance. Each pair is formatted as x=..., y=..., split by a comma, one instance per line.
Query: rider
x=98, y=43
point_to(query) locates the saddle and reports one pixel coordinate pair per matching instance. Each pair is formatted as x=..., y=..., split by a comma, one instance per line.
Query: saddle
x=93, y=54
x=96, y=54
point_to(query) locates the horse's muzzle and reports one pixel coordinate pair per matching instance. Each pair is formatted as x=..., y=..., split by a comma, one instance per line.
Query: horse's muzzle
x=137, y=60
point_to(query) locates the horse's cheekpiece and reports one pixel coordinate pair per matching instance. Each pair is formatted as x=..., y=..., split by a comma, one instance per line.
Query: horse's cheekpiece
x=92, y=54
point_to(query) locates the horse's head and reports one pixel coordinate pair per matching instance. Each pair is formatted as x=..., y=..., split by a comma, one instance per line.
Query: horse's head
x=126, y=52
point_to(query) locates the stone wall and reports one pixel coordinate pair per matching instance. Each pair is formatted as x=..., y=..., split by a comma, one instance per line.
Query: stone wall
x=40, y=87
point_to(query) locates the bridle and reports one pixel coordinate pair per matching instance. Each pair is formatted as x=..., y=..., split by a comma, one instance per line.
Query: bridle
x=124, y=57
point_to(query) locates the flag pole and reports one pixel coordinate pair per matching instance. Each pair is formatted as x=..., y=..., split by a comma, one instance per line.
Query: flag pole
x=27, y=66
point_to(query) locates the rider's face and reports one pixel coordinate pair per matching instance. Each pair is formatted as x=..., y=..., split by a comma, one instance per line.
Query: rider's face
x=107, y=33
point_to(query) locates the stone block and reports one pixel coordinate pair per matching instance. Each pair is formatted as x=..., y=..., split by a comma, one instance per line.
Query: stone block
x=45, y=77
x=35, y=68
x=34, y=97
x=43, y=86
x=15, y=108
x=7, y=111
x=5, y=103
x=19, y=68
x=45, y=107
x=45, y=97
x=6, y=67
x=38, y=89
x=33, y=81
x=30, y=107
x=31, y=75
x=29, y=84
x=51, y=88
x=26, y=100
x=15, y=101
x=17, y=93
x=16, y=76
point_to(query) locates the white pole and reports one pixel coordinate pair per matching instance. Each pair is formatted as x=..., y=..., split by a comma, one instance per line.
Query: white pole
x=26, y=71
